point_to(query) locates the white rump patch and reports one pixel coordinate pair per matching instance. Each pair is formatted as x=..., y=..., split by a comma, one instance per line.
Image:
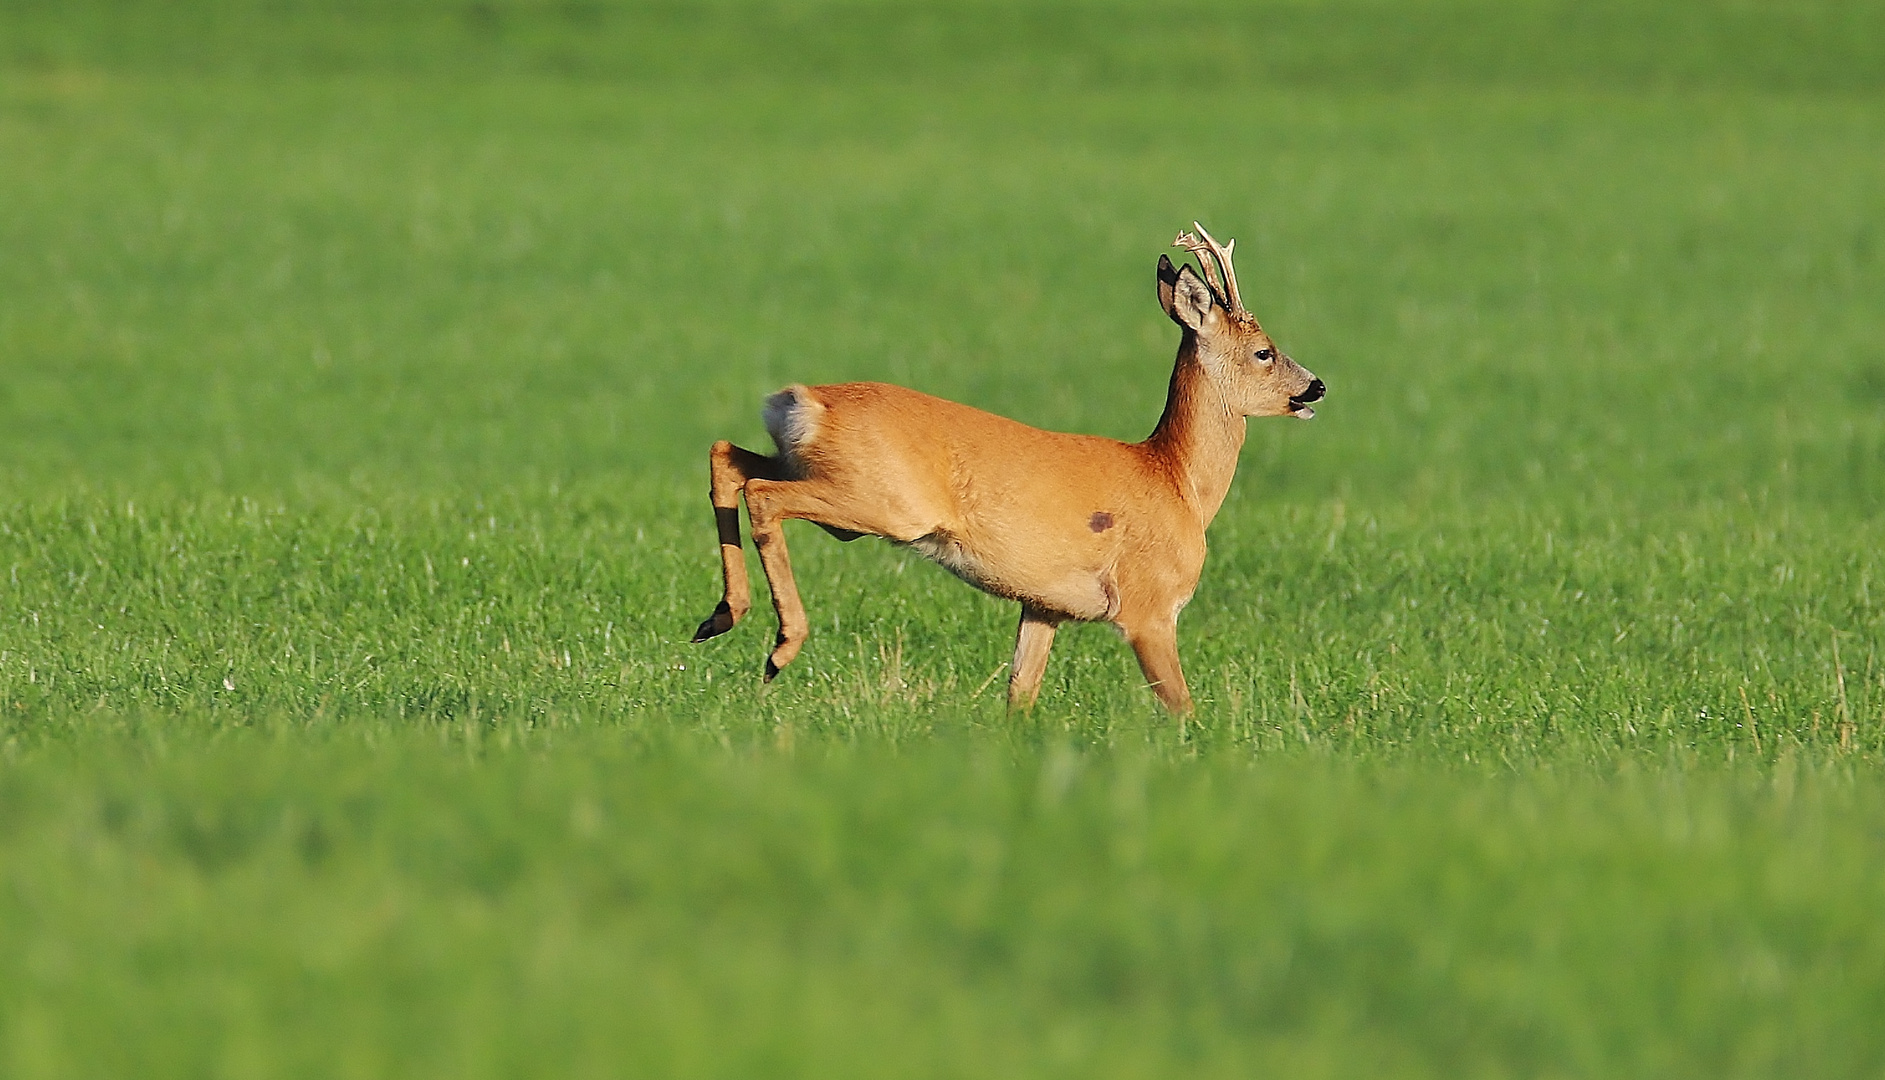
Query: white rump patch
x=791, y=417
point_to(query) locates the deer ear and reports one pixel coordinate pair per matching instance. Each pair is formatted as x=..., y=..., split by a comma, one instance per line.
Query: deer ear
x=1183, y=296
x=1167, y=281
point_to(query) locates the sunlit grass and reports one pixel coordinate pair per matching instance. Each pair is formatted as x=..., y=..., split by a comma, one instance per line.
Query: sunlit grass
x=357, y=370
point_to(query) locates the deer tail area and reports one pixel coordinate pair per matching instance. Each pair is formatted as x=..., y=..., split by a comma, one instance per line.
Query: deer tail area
x=793, y=417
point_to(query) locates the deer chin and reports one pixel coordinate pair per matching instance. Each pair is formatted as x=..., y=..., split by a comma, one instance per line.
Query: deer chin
x=1301, y=411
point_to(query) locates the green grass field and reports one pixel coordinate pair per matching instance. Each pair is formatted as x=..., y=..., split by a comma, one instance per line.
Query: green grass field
x=358, y=364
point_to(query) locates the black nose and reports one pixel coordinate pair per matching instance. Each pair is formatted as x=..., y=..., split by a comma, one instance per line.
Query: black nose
x=1314, y=393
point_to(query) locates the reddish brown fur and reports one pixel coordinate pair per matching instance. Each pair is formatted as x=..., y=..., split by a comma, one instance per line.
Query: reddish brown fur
x=1071, y=526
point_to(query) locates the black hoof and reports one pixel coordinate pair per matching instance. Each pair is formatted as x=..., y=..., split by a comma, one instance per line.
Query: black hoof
x=772, y=670
x=716, y=624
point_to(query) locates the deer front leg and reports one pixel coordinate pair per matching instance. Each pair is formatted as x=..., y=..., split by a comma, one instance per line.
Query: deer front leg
x=1155, y=643
x=729, y=468
x=1032, y=643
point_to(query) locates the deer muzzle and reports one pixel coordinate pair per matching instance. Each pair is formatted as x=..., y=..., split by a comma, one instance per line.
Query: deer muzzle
x=1299, y=402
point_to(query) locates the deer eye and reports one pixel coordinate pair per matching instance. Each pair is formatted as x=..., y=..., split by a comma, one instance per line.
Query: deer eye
x=1265, y=355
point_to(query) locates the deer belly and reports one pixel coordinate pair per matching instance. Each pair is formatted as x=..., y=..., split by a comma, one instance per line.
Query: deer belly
x=1077, y=593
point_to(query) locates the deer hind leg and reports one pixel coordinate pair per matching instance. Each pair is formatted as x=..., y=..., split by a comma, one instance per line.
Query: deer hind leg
x=768, y=504
x=731, y=468
x=1155, y=642
x=1032, y=643
x=833, y=506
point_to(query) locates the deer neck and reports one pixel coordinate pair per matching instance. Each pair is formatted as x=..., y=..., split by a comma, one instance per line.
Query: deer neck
x=1199, y=437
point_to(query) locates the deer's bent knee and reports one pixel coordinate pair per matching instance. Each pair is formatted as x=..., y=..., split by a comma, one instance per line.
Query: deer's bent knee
x=760, y=506
x=721, y=471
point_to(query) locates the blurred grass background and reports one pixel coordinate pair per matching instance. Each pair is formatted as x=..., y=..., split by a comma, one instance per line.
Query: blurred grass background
x=357, y=367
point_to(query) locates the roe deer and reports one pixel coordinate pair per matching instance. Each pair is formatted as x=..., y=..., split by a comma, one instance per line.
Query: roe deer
x=1073, y=526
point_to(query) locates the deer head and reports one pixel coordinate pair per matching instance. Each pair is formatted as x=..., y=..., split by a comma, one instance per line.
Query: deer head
x=1254, y=376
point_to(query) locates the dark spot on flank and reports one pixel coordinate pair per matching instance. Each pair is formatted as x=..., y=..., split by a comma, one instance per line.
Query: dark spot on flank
x=1100, y=521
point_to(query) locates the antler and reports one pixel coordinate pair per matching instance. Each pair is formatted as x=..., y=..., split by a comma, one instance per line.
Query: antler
x=1221, y=255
